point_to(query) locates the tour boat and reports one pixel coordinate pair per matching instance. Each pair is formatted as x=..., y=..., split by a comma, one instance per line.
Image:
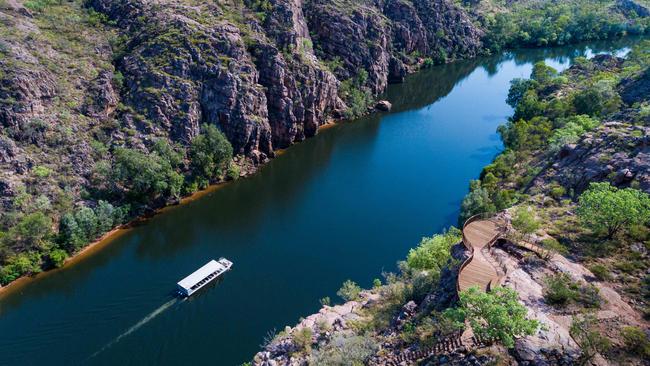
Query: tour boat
x=202, y=276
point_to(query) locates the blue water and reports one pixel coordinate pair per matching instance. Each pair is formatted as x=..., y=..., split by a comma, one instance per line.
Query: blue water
x=346, y=204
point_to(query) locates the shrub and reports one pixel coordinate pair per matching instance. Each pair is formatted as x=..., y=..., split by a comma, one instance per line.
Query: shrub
x=493, y=315
x=42, y=171
x=433, y=252
x=40, y=5
x=18, y=265
x=601, y=272
x=349, y=291
x=589, y=297
x=325, y=301
x=524, y=220
x=234, y=171
x=345, y=349
x=302, y=338
x=376, y=283
x=636, y=341
x=557, y=191
x=57, y=257
x=553, y=246
x=606, y=207
x=560, y=289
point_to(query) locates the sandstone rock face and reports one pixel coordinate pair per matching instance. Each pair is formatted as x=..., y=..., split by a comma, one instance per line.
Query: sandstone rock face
x=301, y=93
x=614, y=149
x=355, y=33
x=102, y=98
x=271, y=81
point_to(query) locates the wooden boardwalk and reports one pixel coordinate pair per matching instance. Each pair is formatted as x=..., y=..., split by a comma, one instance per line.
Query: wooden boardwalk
x=478, y=270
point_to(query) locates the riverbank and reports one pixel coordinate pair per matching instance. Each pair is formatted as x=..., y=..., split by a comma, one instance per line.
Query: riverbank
x=372, y=195
x=115, y=233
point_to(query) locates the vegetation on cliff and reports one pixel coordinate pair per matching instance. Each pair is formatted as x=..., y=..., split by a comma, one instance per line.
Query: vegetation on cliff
x=112, y=108
x=590, y=204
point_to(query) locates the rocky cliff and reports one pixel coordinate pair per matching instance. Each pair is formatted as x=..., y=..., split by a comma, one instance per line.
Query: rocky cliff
x=267, y=73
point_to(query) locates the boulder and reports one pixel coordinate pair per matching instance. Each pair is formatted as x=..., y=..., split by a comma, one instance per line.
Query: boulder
x=384, y=106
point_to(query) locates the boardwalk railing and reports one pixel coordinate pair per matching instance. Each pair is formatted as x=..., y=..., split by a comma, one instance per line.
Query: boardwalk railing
x=468, y=245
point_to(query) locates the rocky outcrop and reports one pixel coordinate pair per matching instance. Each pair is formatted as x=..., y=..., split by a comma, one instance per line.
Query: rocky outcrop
x=302, y=94
x=635, y=89
x=181, y=72
x=101, y=98
x=615, y=151
x=354, y=33
x=263, y=80
x=632, y=8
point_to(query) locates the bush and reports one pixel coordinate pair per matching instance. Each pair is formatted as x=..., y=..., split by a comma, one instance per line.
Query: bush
x=493, y=315
x=560, y=290
x=636, y=341
x=557, y=191
x=433, y=253
x=302, y=338
x=524, y=220
x=325, y=301
x=345, y=349
x=19, y=265
x=601, y=272
x=57, y=257
x=349, y=291
x=554, y=246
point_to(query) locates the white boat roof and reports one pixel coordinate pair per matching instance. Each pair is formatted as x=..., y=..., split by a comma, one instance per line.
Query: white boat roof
x=200, y=274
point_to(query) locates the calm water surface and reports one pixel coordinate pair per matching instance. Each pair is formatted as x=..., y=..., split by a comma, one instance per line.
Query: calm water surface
x=345, y=204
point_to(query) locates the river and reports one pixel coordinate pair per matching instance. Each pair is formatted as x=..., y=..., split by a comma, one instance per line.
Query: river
x=346, y=204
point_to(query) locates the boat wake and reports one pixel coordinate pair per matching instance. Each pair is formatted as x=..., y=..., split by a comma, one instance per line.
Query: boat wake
x=137, y=326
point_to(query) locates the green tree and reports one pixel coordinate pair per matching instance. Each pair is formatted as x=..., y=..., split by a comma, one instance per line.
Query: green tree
x=105, y=213
x=493, y=315
x=518, y=87
x=543, y=73
x=57, y=257
x=477, y=201
x=144, y=177
x=33, y=230
x=210, y=153
x=349, y=291
x=606, y=208
x=589, y=102
x=433, y=253
x=71, y=236
x=87, y=223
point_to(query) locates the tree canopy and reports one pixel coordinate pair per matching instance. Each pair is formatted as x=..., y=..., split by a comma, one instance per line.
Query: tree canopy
x=605, y=208
x=493, y=315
